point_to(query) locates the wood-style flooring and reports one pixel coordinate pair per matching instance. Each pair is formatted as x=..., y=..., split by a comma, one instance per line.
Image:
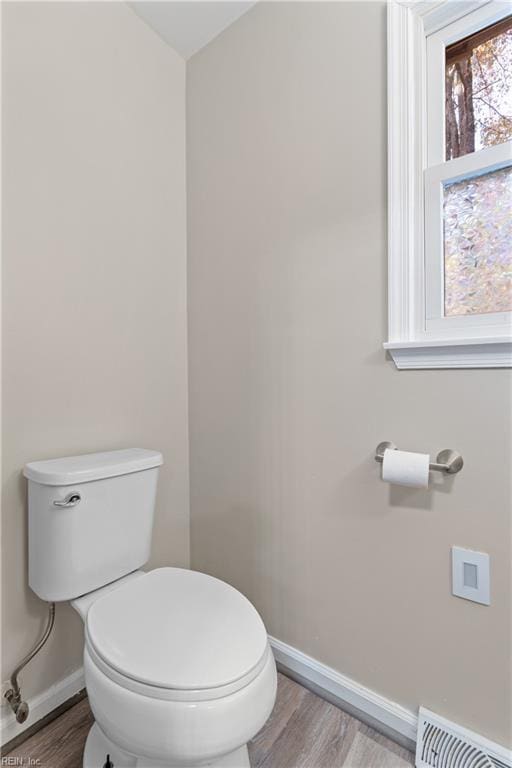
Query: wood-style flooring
x=304, y=731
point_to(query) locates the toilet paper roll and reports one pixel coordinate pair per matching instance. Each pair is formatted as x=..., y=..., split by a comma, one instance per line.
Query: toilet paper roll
x=406, y=468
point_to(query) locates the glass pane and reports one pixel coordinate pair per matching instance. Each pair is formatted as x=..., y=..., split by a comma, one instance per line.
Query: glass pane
x=478, y=244
x=479, y=90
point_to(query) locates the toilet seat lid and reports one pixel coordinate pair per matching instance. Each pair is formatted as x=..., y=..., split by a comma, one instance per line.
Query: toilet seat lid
x=177, y=629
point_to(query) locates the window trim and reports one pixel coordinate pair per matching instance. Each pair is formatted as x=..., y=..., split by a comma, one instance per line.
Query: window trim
x=409, y=345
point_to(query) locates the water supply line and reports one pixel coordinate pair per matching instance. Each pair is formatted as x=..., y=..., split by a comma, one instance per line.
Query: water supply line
x=13, y=695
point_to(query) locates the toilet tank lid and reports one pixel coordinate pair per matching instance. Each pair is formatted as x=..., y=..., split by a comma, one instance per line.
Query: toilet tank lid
x=72, y=470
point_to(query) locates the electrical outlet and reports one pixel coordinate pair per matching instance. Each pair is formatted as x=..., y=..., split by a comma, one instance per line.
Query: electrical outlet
x=471, y=575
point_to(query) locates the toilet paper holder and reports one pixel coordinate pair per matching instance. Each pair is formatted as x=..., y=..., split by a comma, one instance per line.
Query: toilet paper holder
x=447, y=461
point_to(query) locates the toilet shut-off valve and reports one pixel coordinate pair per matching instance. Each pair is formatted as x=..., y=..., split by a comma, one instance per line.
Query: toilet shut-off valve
x=13, y=695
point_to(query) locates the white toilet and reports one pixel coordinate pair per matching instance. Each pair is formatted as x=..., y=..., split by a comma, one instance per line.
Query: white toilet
x=178, y=668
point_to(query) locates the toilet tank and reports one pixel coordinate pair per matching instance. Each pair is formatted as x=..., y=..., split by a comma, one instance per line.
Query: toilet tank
x=90, y=519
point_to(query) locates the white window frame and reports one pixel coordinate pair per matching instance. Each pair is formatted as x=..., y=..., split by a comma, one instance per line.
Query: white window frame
x=419, y=336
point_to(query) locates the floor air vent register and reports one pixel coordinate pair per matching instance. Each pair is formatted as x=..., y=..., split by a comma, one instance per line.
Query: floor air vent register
x=442, y=744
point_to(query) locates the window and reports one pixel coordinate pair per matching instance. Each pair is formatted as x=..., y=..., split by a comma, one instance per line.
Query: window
x=477, y=237
x=450, y=186
x=478, y=90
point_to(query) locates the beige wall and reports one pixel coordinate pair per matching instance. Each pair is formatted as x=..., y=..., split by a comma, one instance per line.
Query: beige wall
x=94, y=260
x=291, y=391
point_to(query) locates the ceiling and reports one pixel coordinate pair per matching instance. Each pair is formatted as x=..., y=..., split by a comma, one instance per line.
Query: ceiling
x=190, y=24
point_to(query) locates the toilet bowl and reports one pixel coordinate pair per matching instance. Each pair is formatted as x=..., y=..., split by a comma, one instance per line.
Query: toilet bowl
x=178, y=669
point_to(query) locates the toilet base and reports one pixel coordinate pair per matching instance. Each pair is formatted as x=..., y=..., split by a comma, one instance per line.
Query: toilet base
x=98, y=746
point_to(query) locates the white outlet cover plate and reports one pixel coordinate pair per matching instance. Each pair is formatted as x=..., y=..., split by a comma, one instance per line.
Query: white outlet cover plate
x=471, y=575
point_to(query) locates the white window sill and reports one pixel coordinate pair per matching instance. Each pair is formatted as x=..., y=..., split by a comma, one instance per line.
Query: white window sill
x=452, y=353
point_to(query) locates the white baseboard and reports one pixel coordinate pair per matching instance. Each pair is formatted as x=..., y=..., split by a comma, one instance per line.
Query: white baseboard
x=393, y=720
x=41, y=705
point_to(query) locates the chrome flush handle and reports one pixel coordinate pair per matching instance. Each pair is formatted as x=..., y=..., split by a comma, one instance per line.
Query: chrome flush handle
x=71, y=500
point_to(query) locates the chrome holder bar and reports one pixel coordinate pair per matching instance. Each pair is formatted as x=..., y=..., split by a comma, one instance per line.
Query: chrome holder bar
x=448, y=461
x=13, y=695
